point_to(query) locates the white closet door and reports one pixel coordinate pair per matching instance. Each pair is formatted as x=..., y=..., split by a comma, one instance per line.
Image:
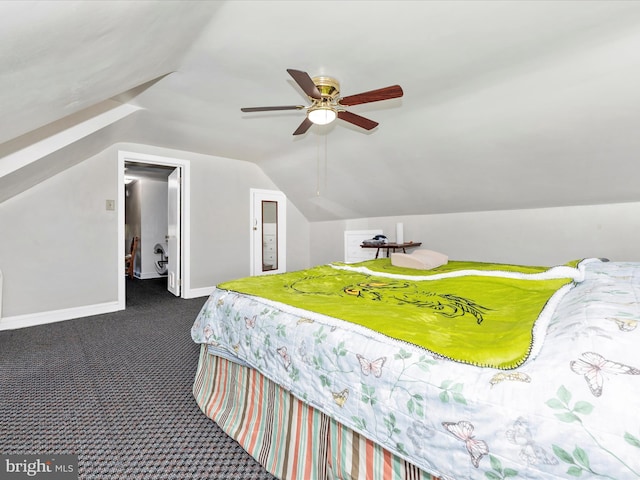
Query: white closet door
x=173, y=237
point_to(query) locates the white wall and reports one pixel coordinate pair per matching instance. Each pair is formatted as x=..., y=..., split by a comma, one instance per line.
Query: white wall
x=545, y=236
x=57, y=249
x=59, y=245
x=220, y=226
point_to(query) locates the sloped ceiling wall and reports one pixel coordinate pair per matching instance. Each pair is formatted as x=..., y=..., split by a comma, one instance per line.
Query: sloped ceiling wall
x=61, y=57
x=507, y=104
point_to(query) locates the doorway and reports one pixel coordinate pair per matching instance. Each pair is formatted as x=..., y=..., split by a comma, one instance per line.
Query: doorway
x=172, y=208
x=146, y=215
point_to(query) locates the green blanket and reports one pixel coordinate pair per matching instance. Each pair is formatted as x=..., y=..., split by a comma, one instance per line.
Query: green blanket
x=471, y=318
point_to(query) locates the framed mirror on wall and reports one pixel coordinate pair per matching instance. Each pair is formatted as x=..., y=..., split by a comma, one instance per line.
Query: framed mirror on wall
x=268, y=232
x=269, y=235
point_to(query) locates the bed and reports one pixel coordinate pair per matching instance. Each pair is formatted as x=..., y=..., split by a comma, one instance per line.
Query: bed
x=469, y=370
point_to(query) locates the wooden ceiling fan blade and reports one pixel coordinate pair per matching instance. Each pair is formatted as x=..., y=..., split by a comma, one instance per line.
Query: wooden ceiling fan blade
x=304, y=126
x=357, y=120
x=386, y=93
x=269, y=109
x=306, y=83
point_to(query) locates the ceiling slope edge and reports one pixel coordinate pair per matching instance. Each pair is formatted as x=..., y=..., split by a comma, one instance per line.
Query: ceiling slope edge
x=22, y=157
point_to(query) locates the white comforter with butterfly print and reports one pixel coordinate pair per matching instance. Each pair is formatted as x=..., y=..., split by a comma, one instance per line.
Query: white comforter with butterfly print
x=573, y=412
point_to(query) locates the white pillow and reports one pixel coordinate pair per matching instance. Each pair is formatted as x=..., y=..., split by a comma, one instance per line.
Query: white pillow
x=419, y=259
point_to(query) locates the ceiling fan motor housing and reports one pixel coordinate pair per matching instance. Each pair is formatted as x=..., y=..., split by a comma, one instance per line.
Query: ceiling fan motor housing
x=329, y=87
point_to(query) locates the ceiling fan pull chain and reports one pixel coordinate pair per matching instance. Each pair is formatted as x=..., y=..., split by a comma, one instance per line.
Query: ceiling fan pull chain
x=326, y=142
x=318, y=167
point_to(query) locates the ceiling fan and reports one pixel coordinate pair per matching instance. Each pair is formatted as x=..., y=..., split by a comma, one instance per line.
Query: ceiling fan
x=327, y=104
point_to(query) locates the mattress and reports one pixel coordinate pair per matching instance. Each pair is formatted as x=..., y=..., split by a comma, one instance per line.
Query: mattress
x=562, y=413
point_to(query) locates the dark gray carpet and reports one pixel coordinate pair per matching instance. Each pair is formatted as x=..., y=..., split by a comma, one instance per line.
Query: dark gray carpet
x=115, y=389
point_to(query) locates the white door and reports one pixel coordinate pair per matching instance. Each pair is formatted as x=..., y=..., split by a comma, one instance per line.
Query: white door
x=173, y=235
x=268, y=232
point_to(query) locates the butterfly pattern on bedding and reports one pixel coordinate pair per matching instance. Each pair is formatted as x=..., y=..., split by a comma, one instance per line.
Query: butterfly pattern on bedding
x=530, y=451
x=286, y=358
x=463, y=431
x=368, y=367
x=341, y=397
x=595, y=368
x=509, y=376
x=250, y=322
x=625, y=324
x=563, y=415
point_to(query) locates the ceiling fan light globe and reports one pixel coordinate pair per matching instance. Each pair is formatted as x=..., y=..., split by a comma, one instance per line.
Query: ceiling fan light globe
x=322, y=115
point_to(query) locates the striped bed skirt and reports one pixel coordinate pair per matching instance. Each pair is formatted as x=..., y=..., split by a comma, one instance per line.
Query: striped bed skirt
x=291, y=439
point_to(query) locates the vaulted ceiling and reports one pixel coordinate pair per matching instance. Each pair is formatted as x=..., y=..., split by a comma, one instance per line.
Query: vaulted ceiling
x=506, y=105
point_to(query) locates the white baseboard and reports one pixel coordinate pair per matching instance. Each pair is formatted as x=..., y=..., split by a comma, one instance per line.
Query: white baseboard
x=41, y=318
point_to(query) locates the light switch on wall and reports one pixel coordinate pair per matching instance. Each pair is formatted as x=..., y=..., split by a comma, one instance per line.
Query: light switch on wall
x=111, y=204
